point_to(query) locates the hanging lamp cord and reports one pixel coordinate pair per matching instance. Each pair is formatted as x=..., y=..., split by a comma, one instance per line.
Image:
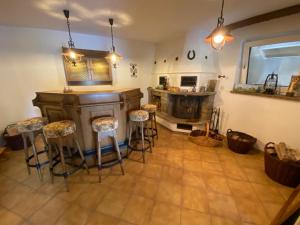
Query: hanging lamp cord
x=221, y=19
x=70, y=42
x=111, y=22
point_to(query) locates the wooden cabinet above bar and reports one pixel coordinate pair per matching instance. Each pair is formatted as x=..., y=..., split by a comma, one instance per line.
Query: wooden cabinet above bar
x=84, y=106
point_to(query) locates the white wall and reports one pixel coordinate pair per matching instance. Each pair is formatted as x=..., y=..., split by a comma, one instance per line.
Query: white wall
x=265, y=118
x=30, y=61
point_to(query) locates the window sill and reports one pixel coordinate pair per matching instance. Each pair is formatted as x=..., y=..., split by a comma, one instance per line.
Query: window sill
x=283, y=97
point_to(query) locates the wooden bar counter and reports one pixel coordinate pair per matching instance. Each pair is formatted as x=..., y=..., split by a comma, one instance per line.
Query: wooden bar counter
x=84, y=106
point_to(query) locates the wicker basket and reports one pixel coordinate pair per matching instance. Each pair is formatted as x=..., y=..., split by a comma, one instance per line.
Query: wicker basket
x=284, y=172
x=205, y=138
x=240, y=142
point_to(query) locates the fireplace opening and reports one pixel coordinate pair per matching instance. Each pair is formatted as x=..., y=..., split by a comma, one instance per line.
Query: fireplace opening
x=186, y=107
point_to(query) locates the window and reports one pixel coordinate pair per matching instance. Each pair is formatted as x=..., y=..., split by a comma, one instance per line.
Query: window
x=280, y=55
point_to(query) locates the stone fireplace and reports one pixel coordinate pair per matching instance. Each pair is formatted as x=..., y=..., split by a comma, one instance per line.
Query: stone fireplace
x=186, y=107
x=182, y=109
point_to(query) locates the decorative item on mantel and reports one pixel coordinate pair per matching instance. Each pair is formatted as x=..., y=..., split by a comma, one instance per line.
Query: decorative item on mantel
x=270, y=84
x=282, y=164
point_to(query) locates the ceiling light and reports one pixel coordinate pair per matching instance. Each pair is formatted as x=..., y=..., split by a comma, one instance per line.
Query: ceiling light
x=113, y=57
x=220, y=35
x=70, y=55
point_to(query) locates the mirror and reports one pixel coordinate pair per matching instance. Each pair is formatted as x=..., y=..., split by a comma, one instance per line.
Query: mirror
x=280, y=55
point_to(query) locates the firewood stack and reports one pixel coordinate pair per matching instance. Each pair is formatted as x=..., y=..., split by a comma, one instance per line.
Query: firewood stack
x=285, y=153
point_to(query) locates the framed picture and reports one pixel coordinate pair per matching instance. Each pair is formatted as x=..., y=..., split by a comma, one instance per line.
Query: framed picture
x=92, y=69
x=294, y=87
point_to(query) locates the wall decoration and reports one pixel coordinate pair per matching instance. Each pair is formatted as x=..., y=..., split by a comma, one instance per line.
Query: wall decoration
x=191, y=54
x=133, y=69
x=93, y=69
x=294, y=87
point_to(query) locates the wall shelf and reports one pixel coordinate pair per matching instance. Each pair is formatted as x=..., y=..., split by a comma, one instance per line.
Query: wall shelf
x=282, y=97
x=182, y=72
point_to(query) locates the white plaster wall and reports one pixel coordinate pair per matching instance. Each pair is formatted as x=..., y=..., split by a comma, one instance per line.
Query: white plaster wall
x=30, y=61
x=204, y=69
x=265, y=118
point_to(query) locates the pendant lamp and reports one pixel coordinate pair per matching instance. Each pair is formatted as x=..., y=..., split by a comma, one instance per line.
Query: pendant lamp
x=113, y=57
x=70, y=55
x=220, y=35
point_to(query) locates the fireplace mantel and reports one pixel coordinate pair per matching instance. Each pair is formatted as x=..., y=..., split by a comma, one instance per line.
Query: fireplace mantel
x=184, y=93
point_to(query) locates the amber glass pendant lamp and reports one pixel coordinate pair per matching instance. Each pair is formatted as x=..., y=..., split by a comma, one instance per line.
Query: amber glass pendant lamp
x=220, y=35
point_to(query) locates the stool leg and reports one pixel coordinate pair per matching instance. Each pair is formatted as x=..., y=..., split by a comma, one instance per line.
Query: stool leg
x=63, y=163
x=118, y=152
x=50, y=156
x=45, y=142
x=129, y=141
x=99, y=155
x=36, y=158
x=26, y=152
x=155, y=124
x=143, y=140
x=81, y=154
x=152, y=131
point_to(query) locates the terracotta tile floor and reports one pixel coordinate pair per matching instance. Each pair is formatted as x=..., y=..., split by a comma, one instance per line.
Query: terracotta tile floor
x=181, y=183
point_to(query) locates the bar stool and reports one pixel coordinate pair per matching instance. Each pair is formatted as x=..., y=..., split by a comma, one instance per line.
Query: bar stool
x=151, y=109
x=60, y=134
x=138, y=118
x=30, y=129
x=107, y=127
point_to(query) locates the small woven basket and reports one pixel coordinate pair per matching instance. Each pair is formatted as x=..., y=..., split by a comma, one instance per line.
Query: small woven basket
x=203, y=138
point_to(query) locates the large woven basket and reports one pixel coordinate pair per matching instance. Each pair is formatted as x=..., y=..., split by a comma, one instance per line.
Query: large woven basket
x=240, y=142
x=205, y=138
x=284, y=172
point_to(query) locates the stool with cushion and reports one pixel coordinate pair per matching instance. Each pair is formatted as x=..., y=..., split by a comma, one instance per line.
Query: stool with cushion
x=30, y=129
x=151, y=109
x=59, y=135
x=107, y=127
x=138, y=118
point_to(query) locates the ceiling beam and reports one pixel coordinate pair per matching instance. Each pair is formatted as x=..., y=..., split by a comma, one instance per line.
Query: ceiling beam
x=265, y=17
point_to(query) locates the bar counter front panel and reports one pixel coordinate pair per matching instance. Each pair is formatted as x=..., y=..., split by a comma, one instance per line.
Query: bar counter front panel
x=84, y=106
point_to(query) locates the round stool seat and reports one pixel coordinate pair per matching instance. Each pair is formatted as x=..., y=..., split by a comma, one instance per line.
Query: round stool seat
x=59, y=129
x=139, y=115
x=149, y=108
x=32, y=124
x=105, y=124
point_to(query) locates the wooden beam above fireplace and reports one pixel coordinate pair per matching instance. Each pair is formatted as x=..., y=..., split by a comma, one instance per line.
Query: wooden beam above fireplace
x=265, y=17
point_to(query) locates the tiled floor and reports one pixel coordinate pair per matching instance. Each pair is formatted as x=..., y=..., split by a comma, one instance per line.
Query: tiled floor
x=181, y=183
